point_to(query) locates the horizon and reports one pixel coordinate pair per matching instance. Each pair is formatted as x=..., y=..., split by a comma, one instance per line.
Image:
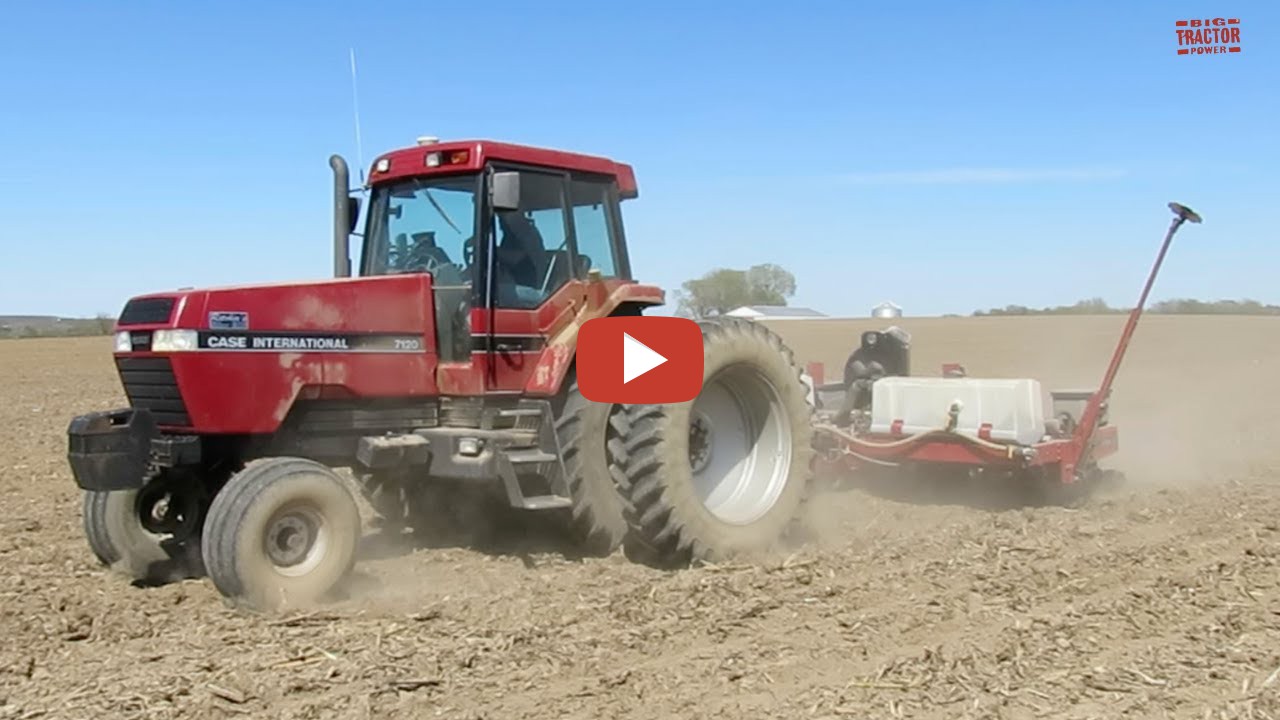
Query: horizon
x=925, y=162
x=1152, y=307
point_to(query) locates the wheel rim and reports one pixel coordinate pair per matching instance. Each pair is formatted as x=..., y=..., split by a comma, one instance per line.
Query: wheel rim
x=297, y=539
x=165, y=509
x=739, y=445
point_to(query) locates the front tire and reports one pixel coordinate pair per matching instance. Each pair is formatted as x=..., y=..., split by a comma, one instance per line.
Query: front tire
x=168, y=551
x=282, y=533
x=728, y=473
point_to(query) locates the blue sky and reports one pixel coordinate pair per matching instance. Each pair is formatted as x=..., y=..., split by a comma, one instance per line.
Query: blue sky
x=946, y=156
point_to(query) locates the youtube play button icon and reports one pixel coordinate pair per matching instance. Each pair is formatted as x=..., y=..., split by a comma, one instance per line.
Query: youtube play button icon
x=640, y=360
x=637, y=358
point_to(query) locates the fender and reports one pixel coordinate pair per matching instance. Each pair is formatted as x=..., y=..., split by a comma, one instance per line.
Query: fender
x=560, y=352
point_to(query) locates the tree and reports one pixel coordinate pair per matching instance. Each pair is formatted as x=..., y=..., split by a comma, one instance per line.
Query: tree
x=724, y=289
x=771, y=284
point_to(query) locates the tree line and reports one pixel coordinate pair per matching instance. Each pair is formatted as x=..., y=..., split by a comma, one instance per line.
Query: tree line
x=1176, y=306
x=724, y=289
x=39, y=326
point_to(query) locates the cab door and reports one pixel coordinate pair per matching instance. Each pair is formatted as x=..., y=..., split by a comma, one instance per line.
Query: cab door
x=532, y=282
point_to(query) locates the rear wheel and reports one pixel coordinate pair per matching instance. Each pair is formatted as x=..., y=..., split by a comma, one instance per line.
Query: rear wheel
x=726, y=474
x=281, y=533
x=150, y=535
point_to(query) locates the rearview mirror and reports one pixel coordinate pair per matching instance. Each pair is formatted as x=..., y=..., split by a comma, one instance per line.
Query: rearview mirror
x=353, y=213
x=504, y=192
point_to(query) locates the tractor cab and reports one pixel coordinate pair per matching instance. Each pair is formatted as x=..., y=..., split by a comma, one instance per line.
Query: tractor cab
x=518, y=241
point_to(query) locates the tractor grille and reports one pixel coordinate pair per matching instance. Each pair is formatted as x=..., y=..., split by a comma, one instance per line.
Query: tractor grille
x=149, y=383
x=144, y=311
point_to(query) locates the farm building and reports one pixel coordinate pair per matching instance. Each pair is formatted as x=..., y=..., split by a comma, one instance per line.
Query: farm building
x=886, y=310
x=773, y=312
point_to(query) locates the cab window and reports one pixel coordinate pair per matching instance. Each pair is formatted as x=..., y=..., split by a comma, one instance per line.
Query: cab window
x=423, y=225
x=532, y=255
x=594, y=232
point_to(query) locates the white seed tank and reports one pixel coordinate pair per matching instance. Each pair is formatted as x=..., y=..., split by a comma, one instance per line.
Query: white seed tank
x=1014, y=408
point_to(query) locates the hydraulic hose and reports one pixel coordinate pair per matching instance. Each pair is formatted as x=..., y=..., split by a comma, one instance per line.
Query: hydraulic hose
x=910, y=439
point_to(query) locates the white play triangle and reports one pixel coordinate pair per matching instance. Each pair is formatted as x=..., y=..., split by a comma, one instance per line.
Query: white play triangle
x=637, y=358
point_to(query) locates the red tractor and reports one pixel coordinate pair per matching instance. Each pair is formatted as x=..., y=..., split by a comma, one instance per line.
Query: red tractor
x=445, y=360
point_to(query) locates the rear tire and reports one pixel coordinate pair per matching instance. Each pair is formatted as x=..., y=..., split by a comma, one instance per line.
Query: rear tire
x=591, y=442
x=118, y=538
x=282, y=533
x=728, y=473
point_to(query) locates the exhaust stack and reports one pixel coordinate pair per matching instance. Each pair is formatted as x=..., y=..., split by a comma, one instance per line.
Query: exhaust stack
x=342, y=218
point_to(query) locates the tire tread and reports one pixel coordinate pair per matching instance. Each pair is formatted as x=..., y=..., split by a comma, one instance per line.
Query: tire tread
x=661, y=533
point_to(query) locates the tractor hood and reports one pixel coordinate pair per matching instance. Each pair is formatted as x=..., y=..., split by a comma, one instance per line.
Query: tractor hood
x=334, y=308
x=240, y=360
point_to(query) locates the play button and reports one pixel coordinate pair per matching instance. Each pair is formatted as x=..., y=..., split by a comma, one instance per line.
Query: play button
x=637, y=358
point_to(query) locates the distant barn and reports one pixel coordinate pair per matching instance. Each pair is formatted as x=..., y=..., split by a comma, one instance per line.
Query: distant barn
x=774, y=312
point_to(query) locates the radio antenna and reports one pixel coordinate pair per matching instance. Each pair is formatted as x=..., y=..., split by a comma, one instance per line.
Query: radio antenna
x=355, y=106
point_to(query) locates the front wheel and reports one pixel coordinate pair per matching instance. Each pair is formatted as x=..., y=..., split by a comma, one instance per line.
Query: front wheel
x=281, y=533
x=150, y=536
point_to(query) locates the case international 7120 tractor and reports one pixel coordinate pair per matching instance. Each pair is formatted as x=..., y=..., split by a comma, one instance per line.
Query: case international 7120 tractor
x=445, y=358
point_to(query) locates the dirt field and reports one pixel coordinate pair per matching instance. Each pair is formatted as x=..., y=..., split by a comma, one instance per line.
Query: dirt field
x=1161, y=599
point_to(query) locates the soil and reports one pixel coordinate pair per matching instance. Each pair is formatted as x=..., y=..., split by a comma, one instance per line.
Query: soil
x=1159, y=598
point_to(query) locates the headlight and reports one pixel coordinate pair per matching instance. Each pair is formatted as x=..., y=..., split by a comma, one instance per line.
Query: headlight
x=123, y=343
x=173, y=340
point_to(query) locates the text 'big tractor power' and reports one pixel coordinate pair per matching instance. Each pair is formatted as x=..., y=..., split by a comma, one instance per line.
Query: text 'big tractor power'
x=446, y=359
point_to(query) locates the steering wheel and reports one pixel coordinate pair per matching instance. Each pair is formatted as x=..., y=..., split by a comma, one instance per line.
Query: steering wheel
x=418, y=258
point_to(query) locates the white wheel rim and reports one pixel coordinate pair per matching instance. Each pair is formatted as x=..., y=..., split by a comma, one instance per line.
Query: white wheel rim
x=297, y=540
x=739, y=445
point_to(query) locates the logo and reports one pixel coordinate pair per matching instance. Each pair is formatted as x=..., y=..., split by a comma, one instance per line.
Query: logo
x=640, y=360
x=229, y=320
x=308, y=342
x=1208, y=36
